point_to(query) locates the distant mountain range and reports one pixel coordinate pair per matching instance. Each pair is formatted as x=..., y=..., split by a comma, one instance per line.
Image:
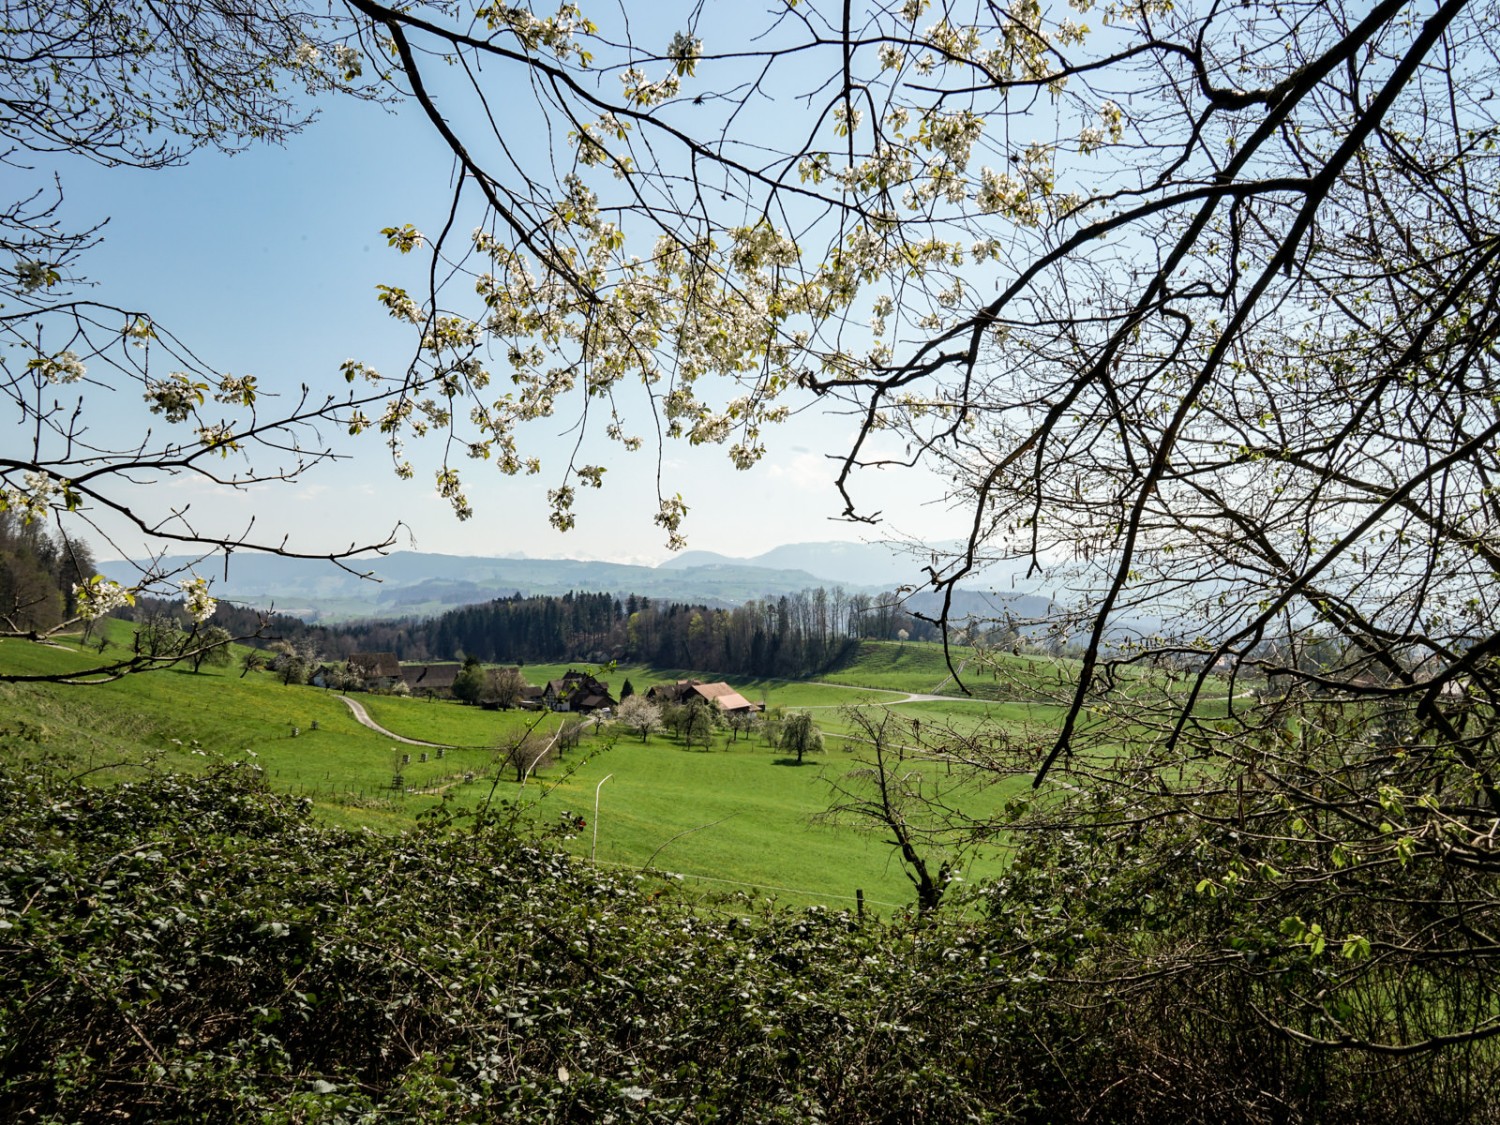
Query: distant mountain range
x=849, y=564
x=413, y=583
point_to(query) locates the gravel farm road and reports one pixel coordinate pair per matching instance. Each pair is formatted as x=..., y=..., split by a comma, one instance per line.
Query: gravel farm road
x=363, y=717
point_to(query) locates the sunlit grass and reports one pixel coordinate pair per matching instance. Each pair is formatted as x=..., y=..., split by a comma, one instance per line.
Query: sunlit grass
x=737, y=817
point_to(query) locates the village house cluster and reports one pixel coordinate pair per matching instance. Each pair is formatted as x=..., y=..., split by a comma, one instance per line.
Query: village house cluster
x=574, y=691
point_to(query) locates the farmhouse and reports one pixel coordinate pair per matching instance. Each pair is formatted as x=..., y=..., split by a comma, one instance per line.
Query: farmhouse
x=577, y=691
x=381, y=670
x=433, y=680
x=720, y=694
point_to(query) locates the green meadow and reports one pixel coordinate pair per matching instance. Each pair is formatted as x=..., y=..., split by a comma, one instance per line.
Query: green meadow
x=740, y=818
x=924, y=666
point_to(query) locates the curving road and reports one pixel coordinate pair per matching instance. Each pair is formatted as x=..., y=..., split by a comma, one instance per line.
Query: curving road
x=904, y=697
x=362, y=717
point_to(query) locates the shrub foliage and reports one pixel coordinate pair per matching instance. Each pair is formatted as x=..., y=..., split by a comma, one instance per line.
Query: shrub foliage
x=199, y=949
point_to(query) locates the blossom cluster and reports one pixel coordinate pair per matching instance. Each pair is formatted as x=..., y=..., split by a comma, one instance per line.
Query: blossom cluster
x=684, y=51
x=236, y=389
x=348, y=60
x=99, y=595
x=64, y=367
x=176, y=396
x=33, y=274
x=196, y=600
x=641, y=91
x=35, y=500
x=556, y=33
x=218, y=436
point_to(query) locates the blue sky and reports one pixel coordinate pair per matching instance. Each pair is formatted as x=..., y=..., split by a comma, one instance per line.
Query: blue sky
x=266, y=263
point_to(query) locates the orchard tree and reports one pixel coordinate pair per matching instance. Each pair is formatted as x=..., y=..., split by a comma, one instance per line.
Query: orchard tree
x=469, y=684
x=911, y=786
x=210, y=645
x=294, y=661
x=344, y=677
x=527, y=753
x=742, y=723
x=503, y=687
x=639, y=715
x=160, y=635
x=569, y=734
x=693, y=722
x=800, y=735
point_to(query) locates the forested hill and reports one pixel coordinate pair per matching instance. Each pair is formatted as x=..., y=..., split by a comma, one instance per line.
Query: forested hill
x=790, y=635
x=787, y=635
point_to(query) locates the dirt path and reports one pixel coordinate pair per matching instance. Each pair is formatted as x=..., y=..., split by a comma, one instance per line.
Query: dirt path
x=904, y=697
x=362, y=717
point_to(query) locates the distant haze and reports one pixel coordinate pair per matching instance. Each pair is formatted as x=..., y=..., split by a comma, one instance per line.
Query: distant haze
x=409, y=583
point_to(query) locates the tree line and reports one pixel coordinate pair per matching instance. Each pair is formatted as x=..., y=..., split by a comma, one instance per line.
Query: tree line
x=38, y=571
x=789, y=635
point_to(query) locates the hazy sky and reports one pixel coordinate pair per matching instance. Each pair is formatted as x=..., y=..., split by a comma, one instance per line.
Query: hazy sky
x=266, y=263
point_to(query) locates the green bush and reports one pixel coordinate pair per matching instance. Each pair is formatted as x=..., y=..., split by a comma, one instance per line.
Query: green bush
x=196, y=949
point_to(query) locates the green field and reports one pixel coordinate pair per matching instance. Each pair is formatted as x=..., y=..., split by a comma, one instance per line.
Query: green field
x=740, y=817
x=923, y=666
x=444, y=722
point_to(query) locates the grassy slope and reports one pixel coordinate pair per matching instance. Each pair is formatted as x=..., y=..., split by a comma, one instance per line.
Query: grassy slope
x=921, y=666
x=738, y=818
x=733, y=816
